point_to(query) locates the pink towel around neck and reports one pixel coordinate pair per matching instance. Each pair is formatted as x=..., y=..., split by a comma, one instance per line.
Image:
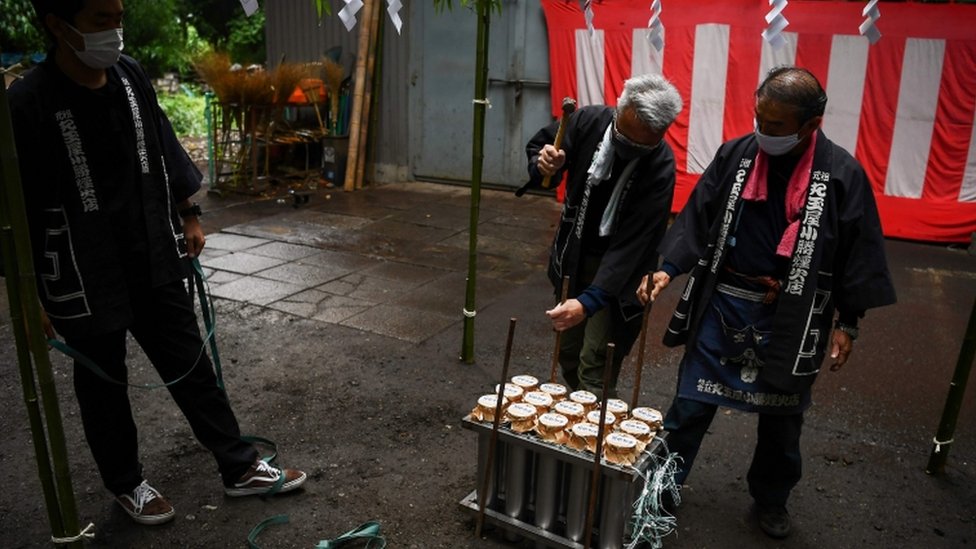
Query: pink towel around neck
x=796, y=193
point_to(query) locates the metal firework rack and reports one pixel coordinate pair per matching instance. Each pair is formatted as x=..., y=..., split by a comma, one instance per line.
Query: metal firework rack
x=539, y=490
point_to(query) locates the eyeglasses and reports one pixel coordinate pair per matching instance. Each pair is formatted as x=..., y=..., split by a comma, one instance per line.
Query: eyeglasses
x=630, y=142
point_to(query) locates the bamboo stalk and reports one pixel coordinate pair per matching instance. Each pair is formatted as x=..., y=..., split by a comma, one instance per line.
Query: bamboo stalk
x=359, y=86
x=20, y=278
x=601, y=429
x=483, y=8
x=374, y=25
x=554, y=371
x=957, y=389
x=375, y=106
x=489, y=461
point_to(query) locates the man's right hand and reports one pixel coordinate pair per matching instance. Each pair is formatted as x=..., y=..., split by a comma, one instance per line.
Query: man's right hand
x=657, y=282
x=550, y=160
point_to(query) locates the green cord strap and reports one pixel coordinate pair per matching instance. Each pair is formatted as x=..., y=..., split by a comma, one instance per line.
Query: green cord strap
x=253, y=536
x=367, y=531
x=206, y=307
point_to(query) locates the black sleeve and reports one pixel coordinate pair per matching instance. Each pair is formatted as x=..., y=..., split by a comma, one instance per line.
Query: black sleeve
x=687, y=240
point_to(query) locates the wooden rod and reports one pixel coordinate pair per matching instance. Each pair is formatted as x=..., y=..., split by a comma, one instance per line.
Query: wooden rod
x=564, y=294
x=601, y=429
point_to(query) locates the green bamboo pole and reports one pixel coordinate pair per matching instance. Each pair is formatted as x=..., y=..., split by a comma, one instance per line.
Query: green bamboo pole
x=957, y=389
x=22, y=294
x=483, y=8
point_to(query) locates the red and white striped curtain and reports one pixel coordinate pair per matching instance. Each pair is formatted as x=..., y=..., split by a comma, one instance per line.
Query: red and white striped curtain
x=905, y=106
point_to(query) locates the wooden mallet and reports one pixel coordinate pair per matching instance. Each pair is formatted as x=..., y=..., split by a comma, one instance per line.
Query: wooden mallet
x=569, y=105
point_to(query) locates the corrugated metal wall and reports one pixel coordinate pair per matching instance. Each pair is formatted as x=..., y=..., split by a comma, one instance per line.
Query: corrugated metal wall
x=293, y=31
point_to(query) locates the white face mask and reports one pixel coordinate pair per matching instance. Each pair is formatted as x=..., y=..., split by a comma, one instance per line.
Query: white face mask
x=102, y=49
x=777, y=145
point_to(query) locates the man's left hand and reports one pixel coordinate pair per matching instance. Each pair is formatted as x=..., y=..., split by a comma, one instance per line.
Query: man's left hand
x=194, y=236
x=841, y=346
x=566, y=315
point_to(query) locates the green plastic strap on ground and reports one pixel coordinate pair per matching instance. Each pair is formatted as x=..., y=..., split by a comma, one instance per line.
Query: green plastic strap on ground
x=367, y=531
x=253, y=536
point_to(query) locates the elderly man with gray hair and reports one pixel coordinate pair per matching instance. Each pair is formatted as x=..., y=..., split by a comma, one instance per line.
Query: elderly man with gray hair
x=619, y=189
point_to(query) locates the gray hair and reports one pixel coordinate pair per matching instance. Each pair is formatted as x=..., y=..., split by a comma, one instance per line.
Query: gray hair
x=654, y=99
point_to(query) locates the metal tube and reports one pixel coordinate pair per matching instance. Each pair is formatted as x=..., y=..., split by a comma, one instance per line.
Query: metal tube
x=957, y=389
x=483, y=489
x=546, y=491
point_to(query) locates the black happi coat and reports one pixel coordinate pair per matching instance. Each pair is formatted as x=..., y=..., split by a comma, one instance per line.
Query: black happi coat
x=838, y=262
x=641, y=219
x=81, y=273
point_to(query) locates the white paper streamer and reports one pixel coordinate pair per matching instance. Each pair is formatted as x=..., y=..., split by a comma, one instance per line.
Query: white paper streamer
x=348, y=13
x=250, y=6
x=775, y=23
x=656, y=33
x=587, y=7
x=393, y=8
x=868, y=28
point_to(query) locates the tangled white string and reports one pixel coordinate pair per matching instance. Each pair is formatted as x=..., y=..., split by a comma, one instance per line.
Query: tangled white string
x=651, y=522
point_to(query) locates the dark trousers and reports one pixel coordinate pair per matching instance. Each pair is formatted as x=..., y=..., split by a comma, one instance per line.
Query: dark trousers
x=166, y=328
x=776, y=462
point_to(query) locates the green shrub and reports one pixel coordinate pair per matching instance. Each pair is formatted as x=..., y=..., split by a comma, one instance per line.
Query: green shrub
x=185, y=112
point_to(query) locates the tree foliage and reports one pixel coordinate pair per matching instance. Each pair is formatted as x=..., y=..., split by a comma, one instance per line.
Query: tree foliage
x=18, y=33
x=163, y=35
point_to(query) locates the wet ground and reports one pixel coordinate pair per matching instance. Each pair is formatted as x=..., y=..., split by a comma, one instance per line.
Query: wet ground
x=339, y=323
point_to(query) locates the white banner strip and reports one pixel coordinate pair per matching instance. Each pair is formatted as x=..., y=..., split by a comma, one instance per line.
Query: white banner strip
x=845, y=89
x=773, y=56
x=590, y=68
x=646, y=59
x=918, y=97
x=708, y=78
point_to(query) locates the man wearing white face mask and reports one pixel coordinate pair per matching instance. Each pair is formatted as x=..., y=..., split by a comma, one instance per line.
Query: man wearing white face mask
x=107, y=188
x=619, y=187
x=780, y=234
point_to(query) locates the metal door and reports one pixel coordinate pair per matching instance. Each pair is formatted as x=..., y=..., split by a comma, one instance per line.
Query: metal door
x=442, y=89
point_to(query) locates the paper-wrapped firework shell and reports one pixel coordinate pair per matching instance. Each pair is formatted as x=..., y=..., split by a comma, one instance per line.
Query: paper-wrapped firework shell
x=540, y=400
x=513, y=393
x=650, y=416
x=586, y=398
x=526, y=382
x=485, y=409
x=638, y=430
x=620, y=448
x=618, y=407
x=573, y=411
x=551, y=427
x=522, y=417
x=583, y=437
x=556, y=391
x=594, y=418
